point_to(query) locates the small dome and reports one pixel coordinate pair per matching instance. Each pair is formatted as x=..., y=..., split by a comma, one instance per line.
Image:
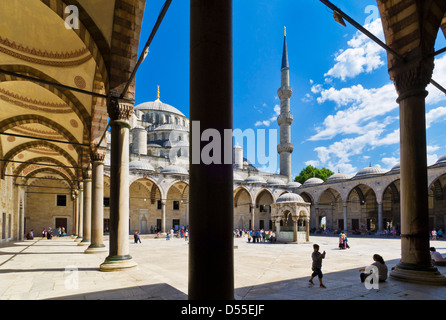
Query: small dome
x=369, y=170
x=140, y=165
x=395, y=167
x=338, y=176
x=312, y=181
x=255, y=179
x=153, y=145
x=237, y=177
x=275, y=182
x=138, y=128
x=293, y=184
x=173, y=169
x=290, y=197
x=441, y=159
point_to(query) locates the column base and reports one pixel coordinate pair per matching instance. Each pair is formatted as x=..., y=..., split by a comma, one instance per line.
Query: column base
x=414, y=274
x=96, y=248
x=84, y=243
x=78, y=239
x=118, y=263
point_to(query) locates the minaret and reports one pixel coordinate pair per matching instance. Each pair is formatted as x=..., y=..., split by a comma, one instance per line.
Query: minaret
x=285, y=119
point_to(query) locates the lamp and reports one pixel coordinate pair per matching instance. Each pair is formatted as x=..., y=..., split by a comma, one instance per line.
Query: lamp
x=338, y=18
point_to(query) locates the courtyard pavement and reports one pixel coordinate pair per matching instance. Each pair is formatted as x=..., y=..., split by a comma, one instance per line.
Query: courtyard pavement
x=59, y=269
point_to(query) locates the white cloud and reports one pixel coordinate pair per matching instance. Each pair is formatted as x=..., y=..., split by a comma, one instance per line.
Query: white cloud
x=313, y=163
x=365, y=104
x=389, y=162
x=268, y=122
x=435, y=115
x=363, y=54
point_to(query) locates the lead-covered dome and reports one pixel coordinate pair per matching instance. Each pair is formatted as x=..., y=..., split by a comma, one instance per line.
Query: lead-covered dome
x=369, y=171
x=441, y=159
x=275, y=182
x=157, y=105
x=313, y=181
x=289, y=197
x=293, y=184
x=173, y=169
x=338, y=176
x=140, y=165
x=255, y=179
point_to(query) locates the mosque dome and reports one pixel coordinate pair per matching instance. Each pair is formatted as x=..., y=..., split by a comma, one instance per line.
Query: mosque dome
x=396, y=167
x=289, y=197
x=441, y=159
x=255, y=179
x=173, y=169
x=369, y=171
x=313, y=181
x=171, y=127
x=293, y=184
x=338, y=176
x=275, y=182
x=140, y=165
x=157, y=105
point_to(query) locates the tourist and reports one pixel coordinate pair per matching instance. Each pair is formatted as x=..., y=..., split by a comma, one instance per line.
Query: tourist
x=186, y=235
x=380, y=265
x=136, y=237
x=317, y=257
x=44, y=233
x=249, y=236
x=30, y=235
x=346, y=246
x=341, y=240
x=49, y=233
x=439, y=234
x=272, y=237
x=435, y=255
x=434, y=234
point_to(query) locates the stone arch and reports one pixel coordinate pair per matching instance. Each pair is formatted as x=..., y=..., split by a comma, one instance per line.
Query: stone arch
x=13, y=152
x=33, y=161
x=307, y=197
x=243, y=202
x=330, y=206
x=64, y=94
x=362, y=207
x=390, y=200
x=35, y=118
x=437, y=203
x=88, y=32
x=49, y=170
x=238, y=191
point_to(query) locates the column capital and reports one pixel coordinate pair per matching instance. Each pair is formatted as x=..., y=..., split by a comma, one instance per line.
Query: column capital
x=96, y=156
x=412, y=77
x=86, y=174
x=119, y=110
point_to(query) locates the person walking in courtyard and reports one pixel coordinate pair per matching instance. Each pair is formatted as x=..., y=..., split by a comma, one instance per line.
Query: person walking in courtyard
x=137, y=238
x=317, y=257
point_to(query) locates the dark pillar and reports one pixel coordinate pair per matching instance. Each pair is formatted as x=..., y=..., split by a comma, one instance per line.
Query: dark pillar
x=211, y=261
x=411, y=79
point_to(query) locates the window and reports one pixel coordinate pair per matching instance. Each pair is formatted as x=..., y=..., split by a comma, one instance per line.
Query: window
x=61, y=200
x=159, y=204
x=176, y=205
x=106, y=202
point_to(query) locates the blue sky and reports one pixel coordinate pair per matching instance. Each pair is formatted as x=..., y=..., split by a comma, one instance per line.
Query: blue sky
x=343, y=103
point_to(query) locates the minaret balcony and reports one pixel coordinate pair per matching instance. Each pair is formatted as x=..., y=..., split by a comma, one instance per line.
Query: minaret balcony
x=285, y=92
x=285, y=147
x=285, y=118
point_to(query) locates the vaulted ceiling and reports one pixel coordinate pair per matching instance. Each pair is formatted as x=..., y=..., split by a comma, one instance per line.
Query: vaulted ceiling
x=49, y=126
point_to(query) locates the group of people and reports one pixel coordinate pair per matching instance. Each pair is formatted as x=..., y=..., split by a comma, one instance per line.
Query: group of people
x=261, y=236
x=378, y=264
x=437, y=234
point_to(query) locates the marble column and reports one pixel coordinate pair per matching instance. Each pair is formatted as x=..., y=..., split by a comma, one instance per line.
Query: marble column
x=307, y=223
x=119, y=257
x=380, y=216
x=80, y=213
x=86, y=219
x=97, y=204
x=411, y=79
x=253, y=216
x=211, y=263
x=74, y=197
x=345, y=216
x=295, y=229
x=163, y=216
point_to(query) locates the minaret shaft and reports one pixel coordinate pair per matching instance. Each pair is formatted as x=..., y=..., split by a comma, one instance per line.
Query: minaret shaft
x=285, y=119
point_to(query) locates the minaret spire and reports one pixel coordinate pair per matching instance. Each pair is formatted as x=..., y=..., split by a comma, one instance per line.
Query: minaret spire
x=285, y=119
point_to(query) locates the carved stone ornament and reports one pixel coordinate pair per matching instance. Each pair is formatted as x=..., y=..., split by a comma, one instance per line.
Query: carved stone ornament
x=119, y=110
